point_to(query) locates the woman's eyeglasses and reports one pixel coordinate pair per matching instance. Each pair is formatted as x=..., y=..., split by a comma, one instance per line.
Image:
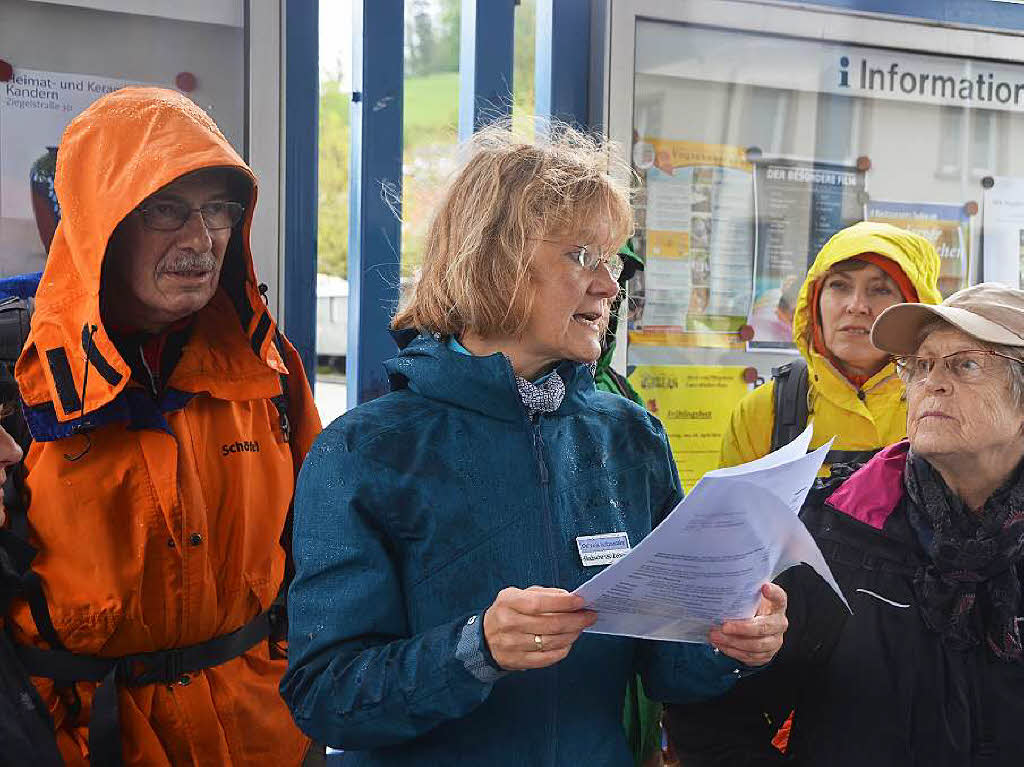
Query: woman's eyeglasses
x=592, y=260
x=171, y=215
x=969, y=366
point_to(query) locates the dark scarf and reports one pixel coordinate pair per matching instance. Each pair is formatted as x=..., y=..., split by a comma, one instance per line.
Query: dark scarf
x=152, y=357
x=970, y=590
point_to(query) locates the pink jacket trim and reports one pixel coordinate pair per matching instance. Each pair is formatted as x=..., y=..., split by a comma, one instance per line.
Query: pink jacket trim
x=874, y=490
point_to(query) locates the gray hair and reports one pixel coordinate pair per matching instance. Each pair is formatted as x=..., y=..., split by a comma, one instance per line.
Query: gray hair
x=1015, y=373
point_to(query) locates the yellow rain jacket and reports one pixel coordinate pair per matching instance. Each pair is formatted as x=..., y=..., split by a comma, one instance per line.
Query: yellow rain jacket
x=158, y=520
x=864, y=419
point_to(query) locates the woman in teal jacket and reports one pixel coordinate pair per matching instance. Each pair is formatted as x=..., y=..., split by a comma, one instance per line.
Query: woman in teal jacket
x=435, y=534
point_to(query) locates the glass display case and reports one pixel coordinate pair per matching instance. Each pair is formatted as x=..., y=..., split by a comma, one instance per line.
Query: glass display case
x=757, y=130
x=57, y=57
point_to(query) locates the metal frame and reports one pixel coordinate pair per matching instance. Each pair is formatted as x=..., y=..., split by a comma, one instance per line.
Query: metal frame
x=993, y=14
x=264, y=129
x=485, y=63
x=563, y=60
x=584, y=54
x=831, y=23
x=831, y=20
x=301, y=106
x=375, y=185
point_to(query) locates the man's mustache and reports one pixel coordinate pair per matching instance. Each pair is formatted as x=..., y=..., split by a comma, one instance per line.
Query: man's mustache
x=190, y=262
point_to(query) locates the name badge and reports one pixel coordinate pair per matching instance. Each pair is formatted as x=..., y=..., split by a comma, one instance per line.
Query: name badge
x=602, y=549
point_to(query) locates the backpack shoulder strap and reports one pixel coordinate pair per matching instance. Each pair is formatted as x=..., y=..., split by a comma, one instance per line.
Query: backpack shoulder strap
x=278, y=612
x=856, y=458
x=790, y=401
x=15, y=320
x=281, y=400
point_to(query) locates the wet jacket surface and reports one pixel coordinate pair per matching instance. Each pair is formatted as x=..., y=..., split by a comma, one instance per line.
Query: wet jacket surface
x=861, y=419
x=412, y=513
x=164, y=533
x=875, y=688
x=642, y=716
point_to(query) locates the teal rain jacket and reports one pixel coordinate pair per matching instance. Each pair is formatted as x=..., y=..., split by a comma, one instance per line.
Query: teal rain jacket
x=413, y=511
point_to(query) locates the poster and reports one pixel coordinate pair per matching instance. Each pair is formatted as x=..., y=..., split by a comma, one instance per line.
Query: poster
x=946, y=227
x=35, y=107
x=799, y=205
x=698, y=237
x=694, y=402
x=1002, y=227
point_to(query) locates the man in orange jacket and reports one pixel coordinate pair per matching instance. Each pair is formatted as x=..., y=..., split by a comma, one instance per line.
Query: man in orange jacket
x=169, y=419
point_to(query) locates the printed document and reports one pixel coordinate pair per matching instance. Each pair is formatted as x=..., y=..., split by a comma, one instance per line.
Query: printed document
x=706, y=561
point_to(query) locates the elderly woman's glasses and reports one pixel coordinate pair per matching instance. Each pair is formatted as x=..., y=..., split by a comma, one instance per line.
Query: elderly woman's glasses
x=968, y=366
x=171, y=215
x=592, y=260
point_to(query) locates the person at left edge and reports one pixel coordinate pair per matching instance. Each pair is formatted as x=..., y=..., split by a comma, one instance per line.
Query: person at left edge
x=430, y=619
x=151, y=359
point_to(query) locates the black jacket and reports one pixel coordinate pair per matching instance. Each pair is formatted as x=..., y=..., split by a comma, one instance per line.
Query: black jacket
x=875, y=688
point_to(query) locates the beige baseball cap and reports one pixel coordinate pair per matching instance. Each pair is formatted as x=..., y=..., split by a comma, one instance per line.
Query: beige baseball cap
x=990, y=312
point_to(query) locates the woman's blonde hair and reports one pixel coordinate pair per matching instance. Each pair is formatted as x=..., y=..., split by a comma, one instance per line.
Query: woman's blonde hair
x=510, y=194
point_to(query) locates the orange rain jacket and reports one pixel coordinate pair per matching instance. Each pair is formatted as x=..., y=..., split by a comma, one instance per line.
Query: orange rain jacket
x=161, y=535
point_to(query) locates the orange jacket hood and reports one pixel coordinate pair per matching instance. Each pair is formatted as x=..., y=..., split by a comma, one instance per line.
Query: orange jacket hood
x=123, y=148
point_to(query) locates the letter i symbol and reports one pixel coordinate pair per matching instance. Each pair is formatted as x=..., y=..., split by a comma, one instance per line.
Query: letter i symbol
x=844, y=76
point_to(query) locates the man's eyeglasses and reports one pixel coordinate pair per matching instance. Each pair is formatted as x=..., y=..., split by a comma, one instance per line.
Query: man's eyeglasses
x=969, y=366
x=171, y=215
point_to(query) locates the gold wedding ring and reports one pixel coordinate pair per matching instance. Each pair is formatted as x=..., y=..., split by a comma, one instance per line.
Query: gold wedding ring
x=538, y=642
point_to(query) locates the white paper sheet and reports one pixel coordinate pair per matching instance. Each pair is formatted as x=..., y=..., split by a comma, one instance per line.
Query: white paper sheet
x=706, y=561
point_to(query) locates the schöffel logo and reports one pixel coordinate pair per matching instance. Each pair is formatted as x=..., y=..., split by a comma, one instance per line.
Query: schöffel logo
x=985, y=88
x=240, y=447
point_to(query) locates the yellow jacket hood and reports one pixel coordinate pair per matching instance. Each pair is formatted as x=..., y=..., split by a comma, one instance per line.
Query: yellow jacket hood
x=864, y=419
x=913, y=253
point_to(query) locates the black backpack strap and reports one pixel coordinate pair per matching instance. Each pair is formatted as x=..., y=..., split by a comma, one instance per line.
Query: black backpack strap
x=281, y=400
x=15, y=322
x=790, y=401
x=278, y=612
x=852, y=457
x=16, y=537
x=160, y=666
x=620, y=383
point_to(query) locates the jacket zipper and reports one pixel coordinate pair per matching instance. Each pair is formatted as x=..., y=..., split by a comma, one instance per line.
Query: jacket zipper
x=542, y=467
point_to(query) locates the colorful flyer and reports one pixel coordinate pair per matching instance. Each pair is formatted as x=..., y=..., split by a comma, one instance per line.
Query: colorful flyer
x=947, y=227
x=1002, y=226
x=799, y=205
x=697, y=236
x=694, y=402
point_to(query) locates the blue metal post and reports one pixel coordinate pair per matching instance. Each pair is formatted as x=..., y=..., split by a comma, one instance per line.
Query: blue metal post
x=375, y=232
x=563, y=59
x=485, y=63
x=302, y=103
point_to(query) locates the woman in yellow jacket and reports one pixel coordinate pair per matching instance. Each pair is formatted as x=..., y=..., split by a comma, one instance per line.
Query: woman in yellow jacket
x=853, y=391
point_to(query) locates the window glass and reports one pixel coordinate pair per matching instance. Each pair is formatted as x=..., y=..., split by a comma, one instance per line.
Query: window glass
x=63, y=56
x=753, y=150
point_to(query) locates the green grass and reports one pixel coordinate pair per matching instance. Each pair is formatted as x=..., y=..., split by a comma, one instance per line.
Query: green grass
x=431, y=108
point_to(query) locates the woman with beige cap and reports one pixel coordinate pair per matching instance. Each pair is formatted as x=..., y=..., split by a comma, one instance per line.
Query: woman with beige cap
x=927, y=542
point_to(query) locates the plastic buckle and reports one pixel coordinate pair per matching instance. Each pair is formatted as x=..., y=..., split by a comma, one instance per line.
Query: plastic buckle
x=165, y=666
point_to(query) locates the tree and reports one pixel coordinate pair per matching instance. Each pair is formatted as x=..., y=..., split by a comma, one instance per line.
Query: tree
x=421, y=47
x=447, y=48
x=332, y=227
